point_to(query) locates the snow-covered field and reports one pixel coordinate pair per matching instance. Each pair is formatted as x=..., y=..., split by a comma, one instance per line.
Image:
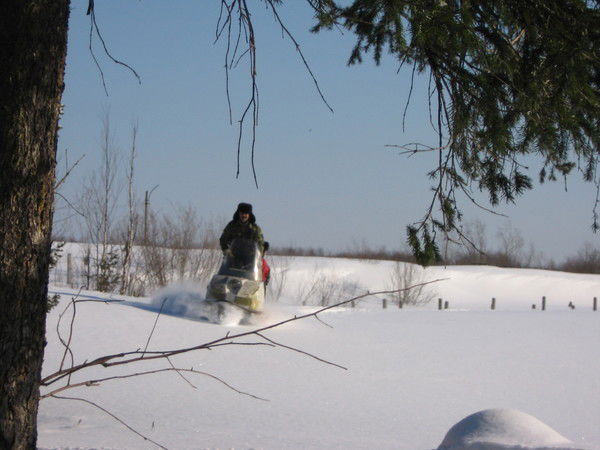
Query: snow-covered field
x=409, y=375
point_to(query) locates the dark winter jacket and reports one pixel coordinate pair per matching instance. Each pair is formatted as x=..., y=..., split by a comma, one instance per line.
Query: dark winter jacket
x=238, y=229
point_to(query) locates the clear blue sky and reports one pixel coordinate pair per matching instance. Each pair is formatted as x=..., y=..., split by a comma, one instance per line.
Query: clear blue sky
x=325, y=179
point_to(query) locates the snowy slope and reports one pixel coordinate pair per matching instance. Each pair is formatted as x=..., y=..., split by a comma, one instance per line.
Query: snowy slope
x=412, y=374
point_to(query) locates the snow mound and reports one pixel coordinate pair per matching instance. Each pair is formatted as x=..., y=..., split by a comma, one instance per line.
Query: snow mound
x=503, y=429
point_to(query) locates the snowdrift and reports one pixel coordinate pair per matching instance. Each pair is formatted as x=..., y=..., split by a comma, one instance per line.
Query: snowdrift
x=503, y=429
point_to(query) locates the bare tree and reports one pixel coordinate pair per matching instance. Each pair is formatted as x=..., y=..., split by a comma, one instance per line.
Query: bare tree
x=132, y=219
x=98, y=203
x=511, y=244
x=587, y=260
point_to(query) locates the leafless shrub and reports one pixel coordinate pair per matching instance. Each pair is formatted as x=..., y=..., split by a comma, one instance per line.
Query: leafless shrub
x=179, y=247
x=405, y=275
x=206, y=258
x=280, y=266
x=323, y=289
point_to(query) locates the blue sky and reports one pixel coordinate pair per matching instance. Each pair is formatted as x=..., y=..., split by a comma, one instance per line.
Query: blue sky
x=325, y=179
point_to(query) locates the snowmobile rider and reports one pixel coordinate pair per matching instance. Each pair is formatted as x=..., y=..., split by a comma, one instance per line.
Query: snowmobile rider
x=242, y=226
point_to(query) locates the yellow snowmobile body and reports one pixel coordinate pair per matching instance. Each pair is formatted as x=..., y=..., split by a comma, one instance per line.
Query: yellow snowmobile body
x=239, y=279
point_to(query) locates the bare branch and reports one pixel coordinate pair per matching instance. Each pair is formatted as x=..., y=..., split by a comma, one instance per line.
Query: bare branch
x=245, y=29
x=229, y=339
x=94, y=27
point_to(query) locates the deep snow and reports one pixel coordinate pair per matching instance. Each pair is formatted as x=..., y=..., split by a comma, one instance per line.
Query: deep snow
x=412, y=374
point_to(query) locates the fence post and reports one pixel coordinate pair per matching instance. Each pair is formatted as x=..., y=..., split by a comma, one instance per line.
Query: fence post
x=533, y=306
x=493, y=303
x=543, y=303
x=446, y=304
x=384, y=303
x=400, y=304
x=69, y=271
x=595, y=304
x=440, y=304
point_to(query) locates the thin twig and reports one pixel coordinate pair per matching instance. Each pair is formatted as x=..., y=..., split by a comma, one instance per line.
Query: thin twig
x=122, y=422
x=180, y=374
x=94, y=27
x=69, y=204
x=155, y=322
x=299, y=50
x=97, y=382
x=67, y=173
x=67, y=344
x=412, y=82
x=323, y=322
x=277, y=344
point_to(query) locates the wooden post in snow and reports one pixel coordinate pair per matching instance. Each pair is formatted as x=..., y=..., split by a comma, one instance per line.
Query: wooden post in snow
x=384, y=303
x=440, y=304
x=595, y=304
x=446, y=304
x=69, y=271
x=543, y=303
x=493, y=303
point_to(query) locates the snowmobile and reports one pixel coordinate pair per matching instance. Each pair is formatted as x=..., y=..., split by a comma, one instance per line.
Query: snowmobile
x=239, y=280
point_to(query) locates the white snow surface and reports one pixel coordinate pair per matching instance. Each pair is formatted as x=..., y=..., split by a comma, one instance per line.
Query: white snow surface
x=408, y=378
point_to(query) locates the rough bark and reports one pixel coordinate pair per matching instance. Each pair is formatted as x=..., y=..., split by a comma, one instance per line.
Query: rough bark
x=33, y=46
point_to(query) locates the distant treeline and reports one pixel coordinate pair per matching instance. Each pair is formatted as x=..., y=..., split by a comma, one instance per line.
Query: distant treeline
x=586, y=260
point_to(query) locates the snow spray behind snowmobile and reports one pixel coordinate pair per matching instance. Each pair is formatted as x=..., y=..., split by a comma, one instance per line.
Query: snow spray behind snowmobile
x=239, y=279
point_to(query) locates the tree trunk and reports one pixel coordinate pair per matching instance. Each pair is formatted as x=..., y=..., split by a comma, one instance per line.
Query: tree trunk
x=33, y=46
